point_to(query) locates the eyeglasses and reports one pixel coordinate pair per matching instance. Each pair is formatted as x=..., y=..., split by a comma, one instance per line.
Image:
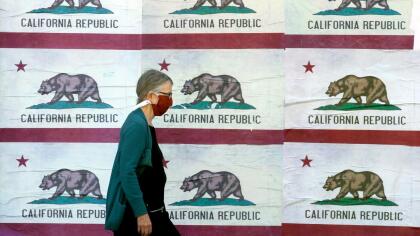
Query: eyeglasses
x=165, y=94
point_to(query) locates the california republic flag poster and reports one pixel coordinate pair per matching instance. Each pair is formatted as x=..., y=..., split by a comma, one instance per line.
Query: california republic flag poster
x=352, y=90
x=329, y=186
x=349, y=17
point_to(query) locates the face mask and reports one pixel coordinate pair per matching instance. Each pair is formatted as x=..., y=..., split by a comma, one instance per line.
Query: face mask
x=162, y=106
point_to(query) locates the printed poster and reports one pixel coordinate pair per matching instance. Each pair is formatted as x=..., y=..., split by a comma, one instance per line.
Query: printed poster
x=213, y=89
x=69, y=16
x=213, y=16
x=223, y=185
x=347, y=17
x=342, y=184
x=352, y=89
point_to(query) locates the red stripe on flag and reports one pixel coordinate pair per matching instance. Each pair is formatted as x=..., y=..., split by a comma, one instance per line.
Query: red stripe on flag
x=60, y=135
x=138, y=41
x=210, y=41
x=201, y=41
x=25, y=229
x=220, y=136
x=350, y=41
x=15, y=229
x=70, y=41
x=216, y=136
x=387, y=137
x=347, y=230
x=111, y=135
x=207, y=230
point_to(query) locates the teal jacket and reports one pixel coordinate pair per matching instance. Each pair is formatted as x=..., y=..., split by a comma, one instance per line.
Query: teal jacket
x=133, y=154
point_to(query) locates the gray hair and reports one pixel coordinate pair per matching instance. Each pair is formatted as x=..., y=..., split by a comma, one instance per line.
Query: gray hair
x=150, y=81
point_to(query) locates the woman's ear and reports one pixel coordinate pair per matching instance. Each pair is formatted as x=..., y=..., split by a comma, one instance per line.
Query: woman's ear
x=152, y=97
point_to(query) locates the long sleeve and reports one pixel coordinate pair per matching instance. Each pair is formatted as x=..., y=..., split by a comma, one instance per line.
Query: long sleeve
x=133, y=143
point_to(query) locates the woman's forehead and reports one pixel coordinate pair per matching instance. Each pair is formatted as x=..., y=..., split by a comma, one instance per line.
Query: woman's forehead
x=166, y=87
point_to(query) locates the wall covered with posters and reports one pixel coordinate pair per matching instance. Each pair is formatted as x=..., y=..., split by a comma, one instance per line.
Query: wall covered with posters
x=322, y=135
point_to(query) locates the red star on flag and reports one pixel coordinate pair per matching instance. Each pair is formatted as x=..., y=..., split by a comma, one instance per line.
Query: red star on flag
x=309, y=67
x=22, y=161
x=306, y=161
x=20, y=66
x=164, y=65
x=165, y=163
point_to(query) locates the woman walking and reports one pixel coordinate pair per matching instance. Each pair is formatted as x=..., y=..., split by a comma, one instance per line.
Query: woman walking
x=135, y=200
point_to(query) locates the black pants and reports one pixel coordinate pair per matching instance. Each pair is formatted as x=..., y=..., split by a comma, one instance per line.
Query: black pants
x=161, y=224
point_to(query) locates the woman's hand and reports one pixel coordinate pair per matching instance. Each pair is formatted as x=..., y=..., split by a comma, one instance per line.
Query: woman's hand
x=144, y=225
